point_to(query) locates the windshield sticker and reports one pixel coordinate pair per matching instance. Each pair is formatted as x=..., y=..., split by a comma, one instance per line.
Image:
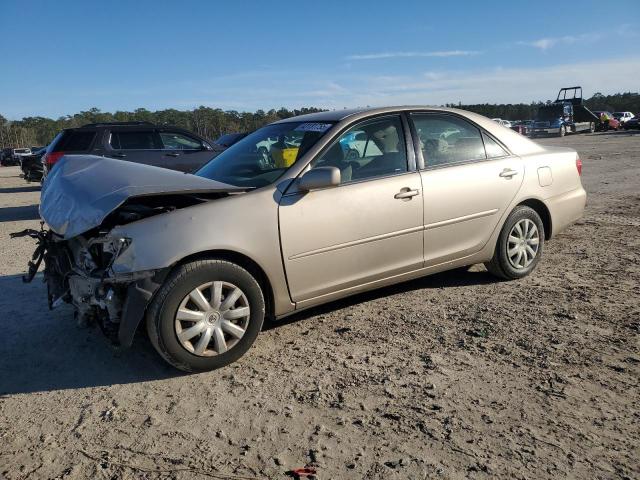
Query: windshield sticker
x=313, y=127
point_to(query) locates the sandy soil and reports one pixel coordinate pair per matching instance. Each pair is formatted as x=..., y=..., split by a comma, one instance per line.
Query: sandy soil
x=451, y=376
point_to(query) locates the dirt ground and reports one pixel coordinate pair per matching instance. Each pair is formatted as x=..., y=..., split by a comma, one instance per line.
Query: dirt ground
x=451, y=376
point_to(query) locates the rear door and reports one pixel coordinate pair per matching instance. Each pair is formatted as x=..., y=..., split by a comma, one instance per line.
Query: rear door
x=468, y=180
x=181, y=151
x=133, y=145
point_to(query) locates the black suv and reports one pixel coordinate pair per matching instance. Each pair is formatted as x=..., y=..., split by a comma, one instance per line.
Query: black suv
x=139, y=142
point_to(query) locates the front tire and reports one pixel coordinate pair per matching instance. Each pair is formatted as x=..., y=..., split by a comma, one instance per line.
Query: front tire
x=206, y=315
x=519, y=246
x=563, y=131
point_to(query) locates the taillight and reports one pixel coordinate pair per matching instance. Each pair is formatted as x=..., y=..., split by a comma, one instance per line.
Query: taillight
x=51, y=158
x=579, y=165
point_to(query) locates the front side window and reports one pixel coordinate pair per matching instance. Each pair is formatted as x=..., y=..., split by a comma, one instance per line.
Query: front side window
x=144, y=140
x=374, y=148
x=446, y=140
x=178, y=141
x=261, y=157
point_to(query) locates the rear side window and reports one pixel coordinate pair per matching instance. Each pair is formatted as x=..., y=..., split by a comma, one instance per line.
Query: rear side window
x=133, y=140
x=493, y=148
x=447, y=140
x=74, y=141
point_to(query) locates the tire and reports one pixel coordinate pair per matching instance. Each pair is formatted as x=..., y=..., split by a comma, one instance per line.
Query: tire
x=592, y=127
x=162, y=320
x=502, y=265
x=563, y=131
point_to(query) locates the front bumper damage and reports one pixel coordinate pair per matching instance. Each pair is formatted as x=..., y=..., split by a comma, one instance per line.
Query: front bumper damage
x=84, y=200
x=115, y=302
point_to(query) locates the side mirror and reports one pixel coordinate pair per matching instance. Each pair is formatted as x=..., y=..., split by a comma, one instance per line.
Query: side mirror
x=321, y=177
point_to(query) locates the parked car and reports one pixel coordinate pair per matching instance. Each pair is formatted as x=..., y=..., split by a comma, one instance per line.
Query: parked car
x=31, y=165
x=229, y=139
x=520, y=126
x=633, y=124
x=607, y=121
x=623, y=117
x=13, y=156
x=504, y=123
x=138, y=142
x=5, y=154
x=204, y=258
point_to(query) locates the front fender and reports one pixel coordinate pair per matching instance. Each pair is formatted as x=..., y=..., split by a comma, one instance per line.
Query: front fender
x=244, y=223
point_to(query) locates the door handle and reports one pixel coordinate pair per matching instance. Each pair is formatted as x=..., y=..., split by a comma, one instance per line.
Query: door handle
x=508, y=173
x=119, y=155
x=172, y=154
x=406, y=194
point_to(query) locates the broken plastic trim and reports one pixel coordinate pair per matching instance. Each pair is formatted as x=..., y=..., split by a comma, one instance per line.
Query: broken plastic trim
x=43, y=238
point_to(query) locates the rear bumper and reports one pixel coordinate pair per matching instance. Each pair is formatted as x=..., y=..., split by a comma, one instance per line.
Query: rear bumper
x=566, y=209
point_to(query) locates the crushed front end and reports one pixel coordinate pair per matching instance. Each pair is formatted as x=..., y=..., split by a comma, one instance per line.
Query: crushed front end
x=84, y=201
x=78, y=271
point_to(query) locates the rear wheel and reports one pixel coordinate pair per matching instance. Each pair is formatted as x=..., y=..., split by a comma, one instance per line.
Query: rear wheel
x=206, y=315
x=519, y=245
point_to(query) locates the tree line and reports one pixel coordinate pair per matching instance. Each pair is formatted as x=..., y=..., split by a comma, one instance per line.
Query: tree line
x=213, y=122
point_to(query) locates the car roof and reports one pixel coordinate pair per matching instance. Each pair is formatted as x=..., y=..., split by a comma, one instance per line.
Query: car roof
x=515, y=142
x=339, y=115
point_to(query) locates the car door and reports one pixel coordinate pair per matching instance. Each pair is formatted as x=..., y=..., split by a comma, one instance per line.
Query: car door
x=137, y=145
x=468, y=180
x=365, y=229
x=181, y=151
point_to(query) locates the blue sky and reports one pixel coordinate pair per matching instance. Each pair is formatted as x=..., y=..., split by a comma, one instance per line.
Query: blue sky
x=69, y=55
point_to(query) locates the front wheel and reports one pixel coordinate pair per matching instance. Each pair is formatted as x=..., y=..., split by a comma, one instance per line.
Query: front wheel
x=563, y=131
x=519, y=245
x=206, y=315
x=592, y=127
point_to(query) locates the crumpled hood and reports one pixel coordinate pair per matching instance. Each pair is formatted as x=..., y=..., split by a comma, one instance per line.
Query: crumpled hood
x=81, y=190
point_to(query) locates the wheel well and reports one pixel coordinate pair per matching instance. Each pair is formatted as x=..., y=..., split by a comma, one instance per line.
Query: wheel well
x=542, y=210
x=245, y=262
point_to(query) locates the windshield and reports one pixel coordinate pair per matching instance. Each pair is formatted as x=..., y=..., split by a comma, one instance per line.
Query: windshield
x=263, y=156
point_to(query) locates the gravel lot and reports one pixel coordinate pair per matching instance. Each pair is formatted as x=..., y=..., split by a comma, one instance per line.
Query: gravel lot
x=451, y=376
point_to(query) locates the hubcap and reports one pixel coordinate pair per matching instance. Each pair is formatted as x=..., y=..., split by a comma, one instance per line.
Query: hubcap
x=212, y=318
x=523, y=244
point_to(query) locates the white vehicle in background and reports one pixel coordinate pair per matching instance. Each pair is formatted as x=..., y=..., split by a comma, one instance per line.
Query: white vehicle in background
x=18, y=153
x=504, y=123
x=623, y=117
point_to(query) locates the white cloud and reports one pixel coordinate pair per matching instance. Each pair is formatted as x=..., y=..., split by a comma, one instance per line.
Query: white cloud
x=443, y=54
x=549, y=42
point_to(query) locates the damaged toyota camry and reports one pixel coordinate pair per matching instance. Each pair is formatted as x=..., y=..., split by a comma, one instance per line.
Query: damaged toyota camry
x=296, y=214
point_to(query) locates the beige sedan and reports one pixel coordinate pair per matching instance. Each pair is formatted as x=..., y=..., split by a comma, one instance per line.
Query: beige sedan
x=299, y=213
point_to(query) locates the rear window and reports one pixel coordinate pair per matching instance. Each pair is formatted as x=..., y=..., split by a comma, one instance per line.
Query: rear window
x=133, y=141
x=74, y=141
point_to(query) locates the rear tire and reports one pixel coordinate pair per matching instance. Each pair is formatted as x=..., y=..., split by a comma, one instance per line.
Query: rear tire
x=519, y=246
x=163, y=326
